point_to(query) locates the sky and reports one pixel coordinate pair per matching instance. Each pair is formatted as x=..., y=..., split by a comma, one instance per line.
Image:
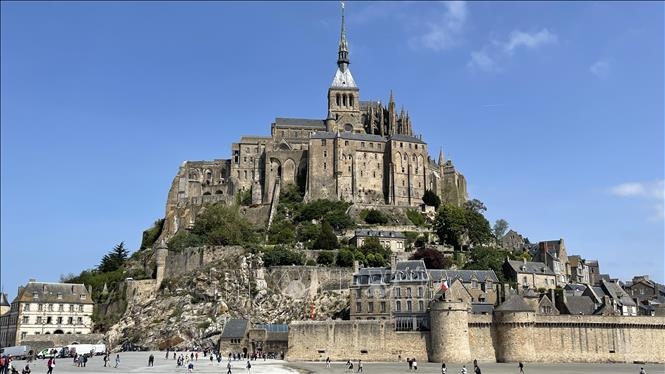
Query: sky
x=554, y=112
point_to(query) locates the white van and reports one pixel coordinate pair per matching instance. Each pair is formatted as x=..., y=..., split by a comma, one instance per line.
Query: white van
x=19, y=351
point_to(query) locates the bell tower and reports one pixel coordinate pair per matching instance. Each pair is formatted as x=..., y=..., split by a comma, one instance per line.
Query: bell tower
x=343, y=94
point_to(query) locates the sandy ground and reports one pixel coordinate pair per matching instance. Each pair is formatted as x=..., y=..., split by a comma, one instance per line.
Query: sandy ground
x=137, y=362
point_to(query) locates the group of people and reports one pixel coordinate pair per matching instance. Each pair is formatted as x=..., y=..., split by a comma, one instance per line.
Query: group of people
x=7, y=366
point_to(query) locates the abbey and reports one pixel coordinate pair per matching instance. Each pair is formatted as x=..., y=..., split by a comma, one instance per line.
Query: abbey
x=362, y=152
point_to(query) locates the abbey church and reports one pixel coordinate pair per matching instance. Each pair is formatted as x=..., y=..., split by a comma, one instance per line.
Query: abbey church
x=361, y=152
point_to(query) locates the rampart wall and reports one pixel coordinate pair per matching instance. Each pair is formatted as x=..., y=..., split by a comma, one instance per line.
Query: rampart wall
x=518, y=337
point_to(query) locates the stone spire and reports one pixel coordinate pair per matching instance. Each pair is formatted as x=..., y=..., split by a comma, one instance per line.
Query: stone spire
x=343, y=51
x=441, y=158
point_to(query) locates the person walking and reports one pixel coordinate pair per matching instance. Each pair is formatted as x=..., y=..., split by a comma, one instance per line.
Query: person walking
x=521, y=366
x=443, y=368
x=463, y=371
x=151, y=360
x=249, y=367
x=228, y=367
x=642, y=371
x=415, y=364
x=328, y=362
x=476, y=370
x=50, y=365
x=117, y=360
x=360, y=366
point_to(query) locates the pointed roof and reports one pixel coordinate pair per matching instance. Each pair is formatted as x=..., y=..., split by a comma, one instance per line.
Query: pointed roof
x=515, y=303
x=3, y=299
x=343, y=77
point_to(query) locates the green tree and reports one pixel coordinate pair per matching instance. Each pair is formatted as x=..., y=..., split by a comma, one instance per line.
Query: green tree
x=416, y=217
x=374, y=252
x=450, y=225
x=282, y=232
x=345, y=257
x=431, y=198
x=339, y=220
x=185, y=239
x=223, y=225
x=500, y=227
x=475, y=205
x=327, y=238
x=308, y=232
x=478, y=228
x=280, y=256
x=373, y=216
x=433, y=259
x=488, y=258
x=114, y=260
x=326, y=258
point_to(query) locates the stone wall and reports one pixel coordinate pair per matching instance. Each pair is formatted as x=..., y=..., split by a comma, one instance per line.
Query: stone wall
x=353, y=340
x=190, y=259
x=301, y=282
x=508, y=337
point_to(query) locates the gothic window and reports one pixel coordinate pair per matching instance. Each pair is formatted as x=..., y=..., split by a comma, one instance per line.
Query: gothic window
x=406, y=157
x=338, y=100
x=350, y=100
x=325, y=153
x=344, y=99
x=245, y=174
x=325, y=166
x=401, y=145
x=408, y=292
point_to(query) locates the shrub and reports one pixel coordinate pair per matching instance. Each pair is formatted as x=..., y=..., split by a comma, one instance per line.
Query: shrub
x=416, y=217
x=326, y=258
x=327, y=238
x=374, y=216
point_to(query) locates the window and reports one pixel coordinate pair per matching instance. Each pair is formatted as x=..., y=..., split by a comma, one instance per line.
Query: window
x=362, y=144
x=346, y=142
x=59, y=296
x=26, y=319
x=408, y=292
x=35, y=295
x=325, y=153
x=80, y=308
x=61, y=307
x=370, y=307
x=525, y=280
x=401, y=145
x=398, y=306
x=59, y=320
x=421, y=306
x=359, y=307
x=23, y=335
x=420, y=292
x=325, y=166
x=39, y=319
x=70, y=320
x=382, y=307
x=71, y=308
x=358, y=293
x=80, y=320
x=409, y=306
x=50, y=307
x=397, y=293
x=323, y=142
x=49, y=320
x=26, y=307
x=371, y=145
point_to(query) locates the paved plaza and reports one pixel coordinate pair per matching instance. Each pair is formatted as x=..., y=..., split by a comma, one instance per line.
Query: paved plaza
x=137, y=362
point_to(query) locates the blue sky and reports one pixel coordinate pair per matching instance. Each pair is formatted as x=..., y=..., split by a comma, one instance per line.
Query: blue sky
x=553, y=111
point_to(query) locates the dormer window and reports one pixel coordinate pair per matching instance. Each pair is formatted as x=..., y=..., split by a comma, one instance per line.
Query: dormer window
x=83, y=296
x=35, y=295
x=59, y=296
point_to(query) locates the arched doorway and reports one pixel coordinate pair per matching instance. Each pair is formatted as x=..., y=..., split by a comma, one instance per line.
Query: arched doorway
x=58, y=332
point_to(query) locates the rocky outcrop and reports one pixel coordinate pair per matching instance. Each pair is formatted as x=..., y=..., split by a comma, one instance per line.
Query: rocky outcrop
x=190, y=308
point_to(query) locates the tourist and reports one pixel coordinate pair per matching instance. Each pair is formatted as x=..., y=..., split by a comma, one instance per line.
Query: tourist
x=249, y=367
x=360, y=366
x=151, y=360
x=190, y=367
x=476, y=369
x=85, y=359
x=408, y=360
x=50, y=365
x=521, y=366
x=26, y=369
x=117, y=360
x=415, y=364
x=443, y=368
x=228, y=366
x=463, y=371
x=167, y=353
x=328, y=362
x=642, y=371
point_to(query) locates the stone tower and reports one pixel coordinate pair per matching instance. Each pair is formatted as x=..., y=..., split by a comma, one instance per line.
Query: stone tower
x=449, y=335
x=160, y=261
x=514, y=321
x=343, y=94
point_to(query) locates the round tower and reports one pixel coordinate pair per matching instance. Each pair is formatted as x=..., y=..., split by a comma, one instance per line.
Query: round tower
x=161, y=252
x=515, y=320
x=449, y=335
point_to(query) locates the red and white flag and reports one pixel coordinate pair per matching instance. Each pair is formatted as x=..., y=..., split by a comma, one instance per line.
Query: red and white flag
x=444, y=285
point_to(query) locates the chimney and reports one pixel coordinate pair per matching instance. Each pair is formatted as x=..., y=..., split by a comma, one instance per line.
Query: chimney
x=356, y=266
x=393, y=263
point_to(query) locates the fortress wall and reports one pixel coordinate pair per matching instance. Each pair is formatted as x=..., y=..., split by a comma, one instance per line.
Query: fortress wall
x=189, y=259
x=353, y=340
x=568, y=338
x=140, y=289
x=482, y=337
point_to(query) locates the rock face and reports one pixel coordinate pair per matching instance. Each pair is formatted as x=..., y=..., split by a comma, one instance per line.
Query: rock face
x=189, y=308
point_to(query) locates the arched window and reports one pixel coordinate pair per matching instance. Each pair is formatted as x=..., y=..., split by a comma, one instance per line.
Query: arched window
x=344, y=99
x=350, y=100
x=338, y=99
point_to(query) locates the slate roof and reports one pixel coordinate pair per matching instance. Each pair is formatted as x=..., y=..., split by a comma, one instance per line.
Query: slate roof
x=235, y=329
x=315, y=124
x=406, y=138
x=479, y=308
x=514, y=303
x=579, y=305
x=411, y=265
x=380, y=234
x=464, y=275
x=372, y=275
x=575, y=287
x=3, y=299
x=343, y=79
x=617, y=293
x=55, y=292
x=530, y=267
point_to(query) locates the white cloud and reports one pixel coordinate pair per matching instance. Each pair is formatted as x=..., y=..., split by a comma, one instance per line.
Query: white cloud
x=654, y=192
x=488, y=58
x=480, y=60
x=445, y=32
x=529, y=40
x=600, y=69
